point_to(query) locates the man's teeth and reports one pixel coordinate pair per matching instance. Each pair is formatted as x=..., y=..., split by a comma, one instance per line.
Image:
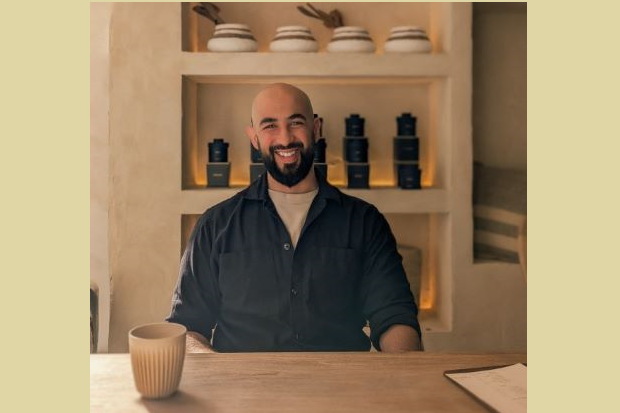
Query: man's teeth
x=286, y=154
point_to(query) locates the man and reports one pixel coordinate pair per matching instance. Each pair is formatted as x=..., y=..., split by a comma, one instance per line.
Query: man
x=291, y=263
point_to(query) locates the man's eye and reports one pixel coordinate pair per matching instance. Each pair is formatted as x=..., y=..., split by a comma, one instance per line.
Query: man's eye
x=270, y=126
x=297, y=123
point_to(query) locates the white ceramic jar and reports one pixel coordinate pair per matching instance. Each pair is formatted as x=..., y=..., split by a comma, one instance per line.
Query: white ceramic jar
x=231, y=37
x=293, y=39
x=407, y=39
x=351, y=39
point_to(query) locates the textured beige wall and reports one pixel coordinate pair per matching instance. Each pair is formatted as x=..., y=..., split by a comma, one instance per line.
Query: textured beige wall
x=145, y=169
x=100, y=14
x=490, y=302
x=500, y=85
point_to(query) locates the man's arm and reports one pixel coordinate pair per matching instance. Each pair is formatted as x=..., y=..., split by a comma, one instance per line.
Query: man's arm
x=197, y=343
x=399, y=338
x=195, y=302
x=385, y=293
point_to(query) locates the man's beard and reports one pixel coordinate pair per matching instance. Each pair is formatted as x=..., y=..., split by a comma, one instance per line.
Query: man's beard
x=292, y=173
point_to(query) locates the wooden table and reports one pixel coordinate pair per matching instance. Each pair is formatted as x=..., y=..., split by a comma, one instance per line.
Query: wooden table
x=297, y=382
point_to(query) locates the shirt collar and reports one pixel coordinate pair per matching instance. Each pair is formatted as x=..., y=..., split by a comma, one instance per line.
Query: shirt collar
x=258, y=190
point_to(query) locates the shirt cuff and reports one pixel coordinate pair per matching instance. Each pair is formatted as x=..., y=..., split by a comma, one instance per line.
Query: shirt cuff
x=190, y=325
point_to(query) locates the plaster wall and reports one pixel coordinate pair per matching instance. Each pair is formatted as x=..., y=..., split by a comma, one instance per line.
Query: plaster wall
x=490, y=300
x=500, y=85
x=145, y=163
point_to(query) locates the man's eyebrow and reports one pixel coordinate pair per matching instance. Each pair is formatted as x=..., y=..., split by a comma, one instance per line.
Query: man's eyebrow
x=296, y=116
x=293, y=116
x=267, y=120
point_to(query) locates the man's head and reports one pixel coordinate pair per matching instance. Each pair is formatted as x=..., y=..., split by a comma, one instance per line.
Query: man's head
x=284, y=130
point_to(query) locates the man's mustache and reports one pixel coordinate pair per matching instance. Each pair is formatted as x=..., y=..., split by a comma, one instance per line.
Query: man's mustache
x=293, y=145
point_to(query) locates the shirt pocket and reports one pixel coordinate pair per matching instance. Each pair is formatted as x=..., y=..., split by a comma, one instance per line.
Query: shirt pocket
x=334, y=286
x=248, y=283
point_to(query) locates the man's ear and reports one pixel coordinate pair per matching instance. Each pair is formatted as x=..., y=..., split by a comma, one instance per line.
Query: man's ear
x=249, y=130
x=317, y=128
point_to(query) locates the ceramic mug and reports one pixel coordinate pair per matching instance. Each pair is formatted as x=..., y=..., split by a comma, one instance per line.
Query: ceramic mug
x=157, y=354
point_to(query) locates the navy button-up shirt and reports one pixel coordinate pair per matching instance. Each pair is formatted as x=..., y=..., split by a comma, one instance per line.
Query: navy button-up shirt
x=241, y=275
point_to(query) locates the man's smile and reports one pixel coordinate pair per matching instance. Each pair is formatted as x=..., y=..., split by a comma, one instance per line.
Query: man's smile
x=288, y=155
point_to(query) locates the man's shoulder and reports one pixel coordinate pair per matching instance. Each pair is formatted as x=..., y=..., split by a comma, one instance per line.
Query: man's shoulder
x=356, y=204
x=224, y=208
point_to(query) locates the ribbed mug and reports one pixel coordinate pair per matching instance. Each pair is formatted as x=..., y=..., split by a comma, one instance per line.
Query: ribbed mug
x=157, y=354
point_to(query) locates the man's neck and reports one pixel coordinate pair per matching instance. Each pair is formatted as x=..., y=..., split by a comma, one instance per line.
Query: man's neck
x=307, y=184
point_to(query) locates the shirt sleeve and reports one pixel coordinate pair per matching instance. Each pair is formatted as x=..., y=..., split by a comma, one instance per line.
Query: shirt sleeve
x=196, y=298
x=385, y=292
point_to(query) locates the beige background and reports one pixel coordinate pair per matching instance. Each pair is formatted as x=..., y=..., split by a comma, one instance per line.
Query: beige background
x=487, y=312
x=562, y=362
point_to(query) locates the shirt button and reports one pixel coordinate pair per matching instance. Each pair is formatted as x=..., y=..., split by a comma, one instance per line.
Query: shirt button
x=293, y=291
x=287, y=246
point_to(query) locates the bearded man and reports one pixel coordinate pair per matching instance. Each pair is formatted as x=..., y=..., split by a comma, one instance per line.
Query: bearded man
x=291, y=263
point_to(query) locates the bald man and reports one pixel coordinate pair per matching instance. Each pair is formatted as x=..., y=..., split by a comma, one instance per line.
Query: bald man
x=291, y=263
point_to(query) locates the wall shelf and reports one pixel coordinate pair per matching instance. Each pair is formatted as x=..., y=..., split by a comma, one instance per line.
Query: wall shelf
x=219, y=107
x=320, y=65
x=488, y=267
x=387, y=200
x=430, y=323
x=400, y=201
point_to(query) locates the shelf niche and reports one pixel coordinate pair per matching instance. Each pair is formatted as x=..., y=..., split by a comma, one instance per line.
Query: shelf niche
x=219, y=107
x=197, y=30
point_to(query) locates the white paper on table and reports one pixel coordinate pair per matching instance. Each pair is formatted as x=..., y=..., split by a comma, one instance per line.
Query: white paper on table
x=503, y=389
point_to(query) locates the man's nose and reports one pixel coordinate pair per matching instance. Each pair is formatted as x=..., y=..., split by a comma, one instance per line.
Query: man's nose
x=286, y=136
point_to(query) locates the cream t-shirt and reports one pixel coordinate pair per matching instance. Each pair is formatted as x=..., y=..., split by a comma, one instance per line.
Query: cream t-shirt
x=293, y=210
